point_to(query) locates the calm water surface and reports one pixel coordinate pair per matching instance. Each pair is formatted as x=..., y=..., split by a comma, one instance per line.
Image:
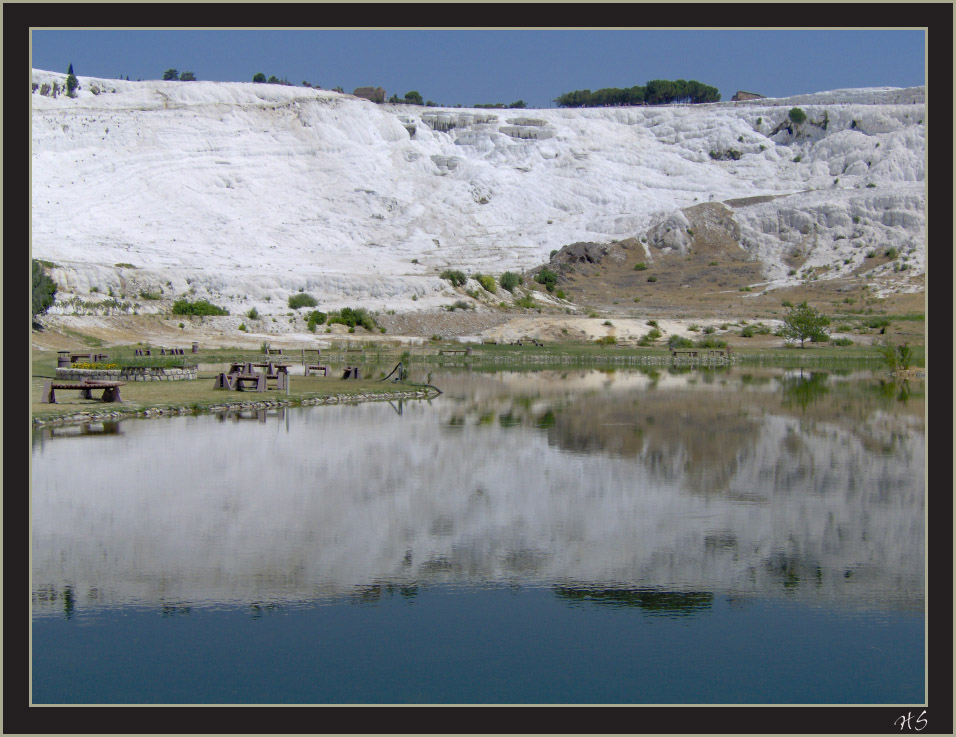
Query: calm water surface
x=552, y=537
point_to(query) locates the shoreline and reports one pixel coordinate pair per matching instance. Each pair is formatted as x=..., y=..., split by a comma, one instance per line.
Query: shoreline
x=179, y=410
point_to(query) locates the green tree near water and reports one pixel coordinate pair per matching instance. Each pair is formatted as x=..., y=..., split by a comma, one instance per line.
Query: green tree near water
x=805, y=323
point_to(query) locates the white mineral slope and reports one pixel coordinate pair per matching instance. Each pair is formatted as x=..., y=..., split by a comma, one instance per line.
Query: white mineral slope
x=246, y=193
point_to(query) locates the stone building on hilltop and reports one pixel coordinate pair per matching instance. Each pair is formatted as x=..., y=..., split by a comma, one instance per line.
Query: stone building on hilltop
x=375, y=94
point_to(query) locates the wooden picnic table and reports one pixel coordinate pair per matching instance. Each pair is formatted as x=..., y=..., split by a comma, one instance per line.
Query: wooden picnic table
x=111, y=392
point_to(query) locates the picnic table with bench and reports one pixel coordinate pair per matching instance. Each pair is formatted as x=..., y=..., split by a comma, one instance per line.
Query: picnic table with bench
x=315, y=368
x=241, y=375
x=111, y=392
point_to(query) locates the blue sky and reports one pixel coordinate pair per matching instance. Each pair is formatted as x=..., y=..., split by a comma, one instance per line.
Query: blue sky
x=487, y=66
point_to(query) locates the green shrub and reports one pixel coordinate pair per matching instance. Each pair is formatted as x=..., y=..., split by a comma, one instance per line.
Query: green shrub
x=652, y=278
x=457, y=278
x=242, y=327
x=200, y=307
x=527, y=302
x=459, y=305
x=509, y=280
x=797, y=115
x=302, y=299
x=124, y=265
x=149, y=295
x=747, y=331
x=676, y=341
x=44, y=290
x=891, y=252
x=253, y=314
x=842, y=341
x=606, y=340
x=487, y=282
x=709, y=342
x=352, y=317
x=546, y=277
x=316, y=318
x=710, y=330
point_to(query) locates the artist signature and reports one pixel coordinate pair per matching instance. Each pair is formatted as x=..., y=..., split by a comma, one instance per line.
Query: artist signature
x=907, y=722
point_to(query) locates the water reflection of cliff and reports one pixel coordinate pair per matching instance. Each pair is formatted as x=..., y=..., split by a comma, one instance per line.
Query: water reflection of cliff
x=688, y=488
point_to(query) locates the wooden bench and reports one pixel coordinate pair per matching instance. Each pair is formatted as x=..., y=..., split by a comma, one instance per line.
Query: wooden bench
x=277, y=372
x=111, y=392
x=91, y=357
x=455, y=352
x=237, y=382
x=315, y=368
x=688, y=353
x=274, y=351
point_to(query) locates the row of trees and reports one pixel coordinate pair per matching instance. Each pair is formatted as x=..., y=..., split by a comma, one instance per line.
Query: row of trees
x=501, y=105
x=175, y=76
x=655, y=92
x=260, y=77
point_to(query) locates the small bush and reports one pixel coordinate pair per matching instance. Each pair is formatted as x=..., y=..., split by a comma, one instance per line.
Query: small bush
x=652, y=278
x=242, y=327
x=315, y=318
x=253, y=314
x=527, y=302
x=710, y=330
x=606, y=340
x=711, y=343
x=747, y=332
x=459, y=305
x=302, y=299
x=842, y=341
x=509, y=280
x=797, y=115
x=546, y=277
x=640, y=266
x=149, y=295
x=352, y=317
x=487, y=283
x=200, y=307
x=891, y=252
x=124, y=265
x=457, y=278
x=676, y=341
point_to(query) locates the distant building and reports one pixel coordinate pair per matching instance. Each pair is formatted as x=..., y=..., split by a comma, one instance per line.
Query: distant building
x=741, y=95
x=375, y=94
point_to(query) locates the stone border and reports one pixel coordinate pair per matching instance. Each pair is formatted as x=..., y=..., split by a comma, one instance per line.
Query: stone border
x=81, y=417
x=130, y=373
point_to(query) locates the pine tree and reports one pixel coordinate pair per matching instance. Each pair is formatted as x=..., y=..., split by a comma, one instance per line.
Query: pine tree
x=72, y=85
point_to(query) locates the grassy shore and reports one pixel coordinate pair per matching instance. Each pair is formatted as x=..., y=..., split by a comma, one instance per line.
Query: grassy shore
x=200, y=395
x=163, y=397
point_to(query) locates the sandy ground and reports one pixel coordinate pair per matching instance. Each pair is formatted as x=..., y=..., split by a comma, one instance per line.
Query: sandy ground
x=66, y=332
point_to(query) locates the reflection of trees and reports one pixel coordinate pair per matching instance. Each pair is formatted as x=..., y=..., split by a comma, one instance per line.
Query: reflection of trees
x=654, y=601
x=804, y=389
